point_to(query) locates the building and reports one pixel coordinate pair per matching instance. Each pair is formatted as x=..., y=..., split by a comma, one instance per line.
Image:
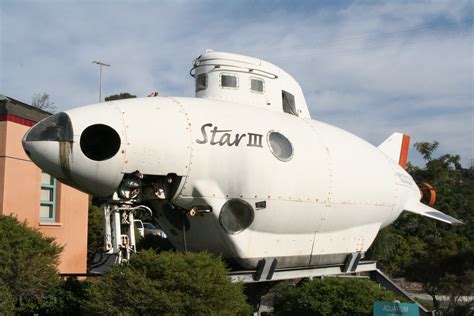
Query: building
x=56, y=209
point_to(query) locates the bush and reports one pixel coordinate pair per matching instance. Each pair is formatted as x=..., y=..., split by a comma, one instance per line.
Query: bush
x=64, y=299
x=176, y=283
x=28, y=266
x=329, y=296
x=7, y=301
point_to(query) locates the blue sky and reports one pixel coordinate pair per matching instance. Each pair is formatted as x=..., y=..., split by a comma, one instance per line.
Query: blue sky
x=370, y=67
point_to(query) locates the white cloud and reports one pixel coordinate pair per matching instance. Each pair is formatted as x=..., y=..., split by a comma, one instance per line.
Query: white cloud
x=367, y=67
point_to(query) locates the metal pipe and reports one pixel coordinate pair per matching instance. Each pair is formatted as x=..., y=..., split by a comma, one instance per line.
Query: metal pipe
x=131, y=231
x=107, y=229
x=116, y=231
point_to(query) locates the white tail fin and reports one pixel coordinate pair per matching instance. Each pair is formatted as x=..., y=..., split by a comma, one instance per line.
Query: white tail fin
x=396, y=147
x=419, y=208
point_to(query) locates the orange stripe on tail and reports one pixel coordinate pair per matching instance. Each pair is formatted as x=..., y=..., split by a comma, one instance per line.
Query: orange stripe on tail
x=404, y=151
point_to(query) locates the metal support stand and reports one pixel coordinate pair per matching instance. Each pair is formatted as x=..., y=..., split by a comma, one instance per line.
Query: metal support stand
x=119, y=228
x=252, y=276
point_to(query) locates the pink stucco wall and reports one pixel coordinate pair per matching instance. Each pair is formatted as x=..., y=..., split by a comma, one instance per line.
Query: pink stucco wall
x=20, y=188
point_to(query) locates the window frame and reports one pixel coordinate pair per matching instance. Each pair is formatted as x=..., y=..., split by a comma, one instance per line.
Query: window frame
x=230, y=75
x=50, y=203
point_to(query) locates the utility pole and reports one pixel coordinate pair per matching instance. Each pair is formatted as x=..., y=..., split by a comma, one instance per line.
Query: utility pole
x=100, y=77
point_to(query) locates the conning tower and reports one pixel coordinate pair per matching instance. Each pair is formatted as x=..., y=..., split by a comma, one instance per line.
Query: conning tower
x=247, y=80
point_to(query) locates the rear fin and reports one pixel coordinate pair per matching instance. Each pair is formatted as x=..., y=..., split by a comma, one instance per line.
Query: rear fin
x=422, y=209
x=396, y=147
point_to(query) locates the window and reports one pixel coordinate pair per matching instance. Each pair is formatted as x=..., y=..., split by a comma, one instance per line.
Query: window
x=229, y=81
x=201, y=82
x=56, y=128
x=288, y=101
x=280, y=146
x=256, y=85
x=236, y=215
x=48, y=198
x=149, y=226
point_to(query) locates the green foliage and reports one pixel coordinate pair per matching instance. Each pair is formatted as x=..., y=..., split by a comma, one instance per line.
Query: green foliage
x=7, y=301
x=394, y=251
x=329, y=296
x=457, y=286
x=28, y=265
x=426, y=149
x=123, y=95
x=95, y=233
x=64, y=299
x=176, y=283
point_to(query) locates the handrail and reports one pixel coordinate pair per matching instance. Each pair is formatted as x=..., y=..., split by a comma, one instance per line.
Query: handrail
x=219, y=66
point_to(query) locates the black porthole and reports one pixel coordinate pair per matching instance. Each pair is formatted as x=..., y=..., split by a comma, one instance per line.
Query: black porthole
x=236, y=215
x=280, y=146
x=100, y=142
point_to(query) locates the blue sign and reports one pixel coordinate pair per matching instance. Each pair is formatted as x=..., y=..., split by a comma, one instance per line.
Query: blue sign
x=395, y=309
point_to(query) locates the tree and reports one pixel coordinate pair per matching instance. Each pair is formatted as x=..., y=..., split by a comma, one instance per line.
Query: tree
x=329, y=296
x=42, y=102
x=123, y=95
x=426, y=149
x=395, y=251
x=457, y=286
x=169, y=283
x=95, y=234
x=28, y=266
